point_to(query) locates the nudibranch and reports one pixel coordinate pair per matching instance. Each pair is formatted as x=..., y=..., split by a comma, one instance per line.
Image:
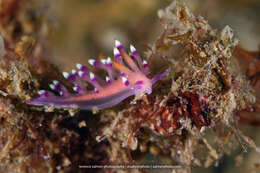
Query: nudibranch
x=126, y=76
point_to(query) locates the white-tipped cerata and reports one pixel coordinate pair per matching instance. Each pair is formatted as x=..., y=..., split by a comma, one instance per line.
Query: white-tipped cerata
x=116, y=52
x=65, y=75
x=55, y=82
x=104, y=61
x=117, y=43
x=79, y=66
x=107, y=79
x=81, y=73
x=40, y=92
x=132, y=49
x=108, y=60
x=91, y=61
x=125, y=81
x=75, y=88
x=52, y=86
x=91, y=76
x=73, y=72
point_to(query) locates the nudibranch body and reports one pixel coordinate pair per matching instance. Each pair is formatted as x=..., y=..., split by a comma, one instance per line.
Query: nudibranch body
x=127, y=76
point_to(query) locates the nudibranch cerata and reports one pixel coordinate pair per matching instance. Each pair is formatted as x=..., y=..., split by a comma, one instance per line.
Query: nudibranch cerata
x=126, y=76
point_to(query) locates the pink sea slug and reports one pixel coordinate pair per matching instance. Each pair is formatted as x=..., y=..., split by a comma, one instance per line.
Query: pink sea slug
x=126, y=76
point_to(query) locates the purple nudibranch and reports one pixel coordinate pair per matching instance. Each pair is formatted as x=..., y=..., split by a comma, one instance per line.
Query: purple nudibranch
x=126, y=76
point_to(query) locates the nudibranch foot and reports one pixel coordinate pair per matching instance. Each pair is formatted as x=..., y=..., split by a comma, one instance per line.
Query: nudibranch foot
x=126, y=76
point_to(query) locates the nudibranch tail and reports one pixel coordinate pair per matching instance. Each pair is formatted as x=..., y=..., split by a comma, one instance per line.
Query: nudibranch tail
x=126, y=76
x=160, y=76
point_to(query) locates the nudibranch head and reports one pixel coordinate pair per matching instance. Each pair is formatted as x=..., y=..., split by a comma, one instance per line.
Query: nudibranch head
x=126, y=76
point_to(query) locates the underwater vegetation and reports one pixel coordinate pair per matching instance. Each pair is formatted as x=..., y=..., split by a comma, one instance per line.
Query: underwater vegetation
x=182, y=104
